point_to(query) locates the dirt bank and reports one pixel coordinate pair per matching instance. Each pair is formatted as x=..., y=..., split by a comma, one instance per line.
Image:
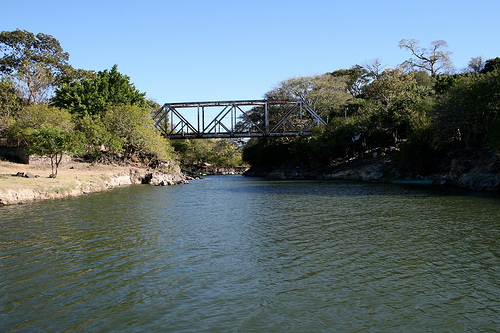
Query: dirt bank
x=73, y=179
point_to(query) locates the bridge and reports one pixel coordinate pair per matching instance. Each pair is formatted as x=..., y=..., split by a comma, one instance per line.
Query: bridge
x=236, y=119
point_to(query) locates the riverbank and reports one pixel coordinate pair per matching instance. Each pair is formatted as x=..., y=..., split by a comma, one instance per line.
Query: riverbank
x=475, y=170
x=21, y=183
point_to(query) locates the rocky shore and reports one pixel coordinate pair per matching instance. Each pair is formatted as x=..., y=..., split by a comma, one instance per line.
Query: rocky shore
x=21, y=183
x=476, y=174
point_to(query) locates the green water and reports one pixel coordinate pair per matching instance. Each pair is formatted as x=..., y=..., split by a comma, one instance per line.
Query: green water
x=233, y=254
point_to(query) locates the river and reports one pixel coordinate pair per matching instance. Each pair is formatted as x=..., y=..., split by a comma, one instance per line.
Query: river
x=236, y=254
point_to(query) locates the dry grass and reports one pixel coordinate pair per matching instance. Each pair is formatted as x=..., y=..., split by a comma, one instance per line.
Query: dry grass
x=67, y=175
x=72, y=178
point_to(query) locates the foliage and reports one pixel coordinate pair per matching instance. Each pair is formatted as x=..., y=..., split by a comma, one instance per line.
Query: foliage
x=54, y=142
x=97, y=137
x=218, y=152
x=113, y=115
x=94, y=95
x=37, y=63
x=135, y=127
x=267, y=152
x=467, y=110
x=493, y=135
x=33, y=117
x=10, y=104
x=397, y=102
x=323, y=93
x=418, y=154
x=491, y=65
x=355, y=78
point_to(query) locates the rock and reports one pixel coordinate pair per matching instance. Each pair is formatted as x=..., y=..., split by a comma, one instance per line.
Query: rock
x=276, y=175
x=29, y=175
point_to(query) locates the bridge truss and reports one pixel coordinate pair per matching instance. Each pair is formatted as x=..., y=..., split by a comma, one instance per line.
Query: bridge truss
x=237, y=119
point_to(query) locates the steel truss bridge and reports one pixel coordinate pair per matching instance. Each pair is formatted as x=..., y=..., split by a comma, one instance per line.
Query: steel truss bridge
x=237, y=119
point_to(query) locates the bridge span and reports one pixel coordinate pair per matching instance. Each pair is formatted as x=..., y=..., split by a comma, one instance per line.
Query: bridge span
x=236, y=119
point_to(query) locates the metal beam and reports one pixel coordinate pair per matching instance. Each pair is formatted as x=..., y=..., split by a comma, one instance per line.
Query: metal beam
x=295, y=118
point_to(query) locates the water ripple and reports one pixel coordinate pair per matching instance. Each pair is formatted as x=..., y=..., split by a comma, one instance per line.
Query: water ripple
x=232, y=254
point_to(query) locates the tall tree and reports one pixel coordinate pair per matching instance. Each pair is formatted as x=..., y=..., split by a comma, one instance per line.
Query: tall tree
x=434, y=60
x=36, y=63
x=94, y=95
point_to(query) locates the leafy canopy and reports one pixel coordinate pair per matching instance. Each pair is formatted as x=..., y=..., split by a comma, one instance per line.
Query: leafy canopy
x=93, y=96
x=37, y=63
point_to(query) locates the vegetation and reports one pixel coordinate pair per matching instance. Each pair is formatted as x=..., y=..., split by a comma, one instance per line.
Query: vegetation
x=52, y=109
x=420, y=110
x=212, y=151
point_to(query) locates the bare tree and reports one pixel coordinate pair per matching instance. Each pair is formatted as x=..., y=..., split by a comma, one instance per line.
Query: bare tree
x=434, y=60
x=374, y=67
x=476, y=65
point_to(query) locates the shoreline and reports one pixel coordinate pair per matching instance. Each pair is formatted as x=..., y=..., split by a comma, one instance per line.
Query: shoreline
x=74, y=179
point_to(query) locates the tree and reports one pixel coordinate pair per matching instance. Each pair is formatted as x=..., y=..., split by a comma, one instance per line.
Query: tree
x=54, y=142
x=33, y=117
x=397, y=101
x=434, y=60
x=323, y=93
x=134, y=126
x=218, y=152
x=476, y=65
x=469, y=107
x=374, y=67
x=356, y=78
x=94, y=95
x=10, y=104
x=490, y=65
x=36, y=62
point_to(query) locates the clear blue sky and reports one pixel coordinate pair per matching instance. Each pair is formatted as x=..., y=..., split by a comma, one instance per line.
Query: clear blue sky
x=181, y=50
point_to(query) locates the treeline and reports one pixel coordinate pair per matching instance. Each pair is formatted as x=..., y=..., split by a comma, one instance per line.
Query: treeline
x=52, y=108
x=420, y=110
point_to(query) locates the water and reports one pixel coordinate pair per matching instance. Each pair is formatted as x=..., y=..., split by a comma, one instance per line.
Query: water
x=232, y=254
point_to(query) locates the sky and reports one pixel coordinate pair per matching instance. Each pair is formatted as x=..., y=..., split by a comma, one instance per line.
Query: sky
x=218, y=50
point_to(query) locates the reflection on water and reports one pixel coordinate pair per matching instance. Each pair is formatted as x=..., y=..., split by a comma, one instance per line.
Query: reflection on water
x=236, y=254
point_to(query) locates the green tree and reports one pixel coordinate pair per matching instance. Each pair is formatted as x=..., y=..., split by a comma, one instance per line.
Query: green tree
x=54, y=142
x=10, y=104
x=434, y=60
x=469, y=107
x=97, y=137
x=218, y=152
x=490, y=65
x=33, y=117
x=396, y=101
x=355, y=78
x=94, y=96
x=325, y=94
x=37, y=63
x=135, y=127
